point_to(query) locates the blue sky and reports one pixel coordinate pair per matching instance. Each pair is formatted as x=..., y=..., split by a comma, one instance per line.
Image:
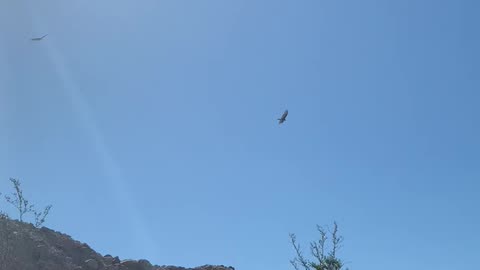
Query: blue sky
x=151, y=127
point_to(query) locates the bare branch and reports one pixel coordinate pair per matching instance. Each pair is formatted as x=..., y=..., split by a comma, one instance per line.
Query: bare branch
x=336, y=240
x=321, y=241
x=18, y=200
x=316, y=251
x=298, y=251
x=294, y=263
x=40, y=216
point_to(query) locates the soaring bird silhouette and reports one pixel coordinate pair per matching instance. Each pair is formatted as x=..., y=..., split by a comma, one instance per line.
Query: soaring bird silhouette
x=283, y=118
x=39, y=38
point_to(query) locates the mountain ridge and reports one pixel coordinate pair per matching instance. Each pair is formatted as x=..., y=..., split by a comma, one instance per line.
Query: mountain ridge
x=25, y=247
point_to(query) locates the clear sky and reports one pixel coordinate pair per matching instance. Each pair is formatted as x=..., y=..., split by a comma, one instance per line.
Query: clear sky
x=151, y=127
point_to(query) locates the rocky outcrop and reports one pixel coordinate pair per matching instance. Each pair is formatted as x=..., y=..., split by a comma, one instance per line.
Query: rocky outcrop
x=24, y=247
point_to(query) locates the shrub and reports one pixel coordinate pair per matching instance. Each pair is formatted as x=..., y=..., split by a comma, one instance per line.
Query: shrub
x=24, y=207
x=323, y=260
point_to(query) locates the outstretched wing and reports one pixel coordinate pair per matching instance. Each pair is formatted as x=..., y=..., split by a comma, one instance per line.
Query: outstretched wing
x=39, y=38
x=283, y=117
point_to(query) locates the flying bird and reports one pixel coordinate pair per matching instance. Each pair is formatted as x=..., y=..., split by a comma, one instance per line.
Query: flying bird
x=39, y=38
x=283, y=118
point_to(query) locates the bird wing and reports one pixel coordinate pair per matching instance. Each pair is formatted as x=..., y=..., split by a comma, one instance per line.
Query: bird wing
x=39, y=38
x=284, y=115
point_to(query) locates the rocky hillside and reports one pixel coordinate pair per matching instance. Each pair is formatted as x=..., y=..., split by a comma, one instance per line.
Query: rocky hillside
x=24, y=247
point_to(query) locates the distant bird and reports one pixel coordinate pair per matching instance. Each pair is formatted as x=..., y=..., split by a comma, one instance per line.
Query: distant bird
x=283, y=118
x=39, y=38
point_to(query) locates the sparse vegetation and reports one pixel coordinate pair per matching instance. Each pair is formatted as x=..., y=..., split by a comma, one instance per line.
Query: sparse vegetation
x=40, y=216
x=23, y=206
x=323, y=260
x=4, y=215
